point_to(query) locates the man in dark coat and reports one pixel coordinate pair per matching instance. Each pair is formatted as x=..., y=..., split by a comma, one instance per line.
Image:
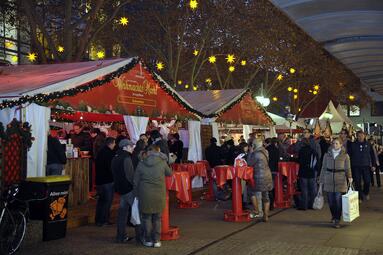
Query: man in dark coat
x=272, y=148
x=104, y=182
x=213, y=153
x=176, y=147
x=80, y=139
x=123, y=175
x=56, y=158
x=160, y=142
x=362, y=162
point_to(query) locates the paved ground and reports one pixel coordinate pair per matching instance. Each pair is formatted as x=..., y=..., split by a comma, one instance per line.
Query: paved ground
x=204, y=232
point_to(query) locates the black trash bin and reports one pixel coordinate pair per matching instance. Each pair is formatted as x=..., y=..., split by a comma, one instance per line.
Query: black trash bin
x=53, y=208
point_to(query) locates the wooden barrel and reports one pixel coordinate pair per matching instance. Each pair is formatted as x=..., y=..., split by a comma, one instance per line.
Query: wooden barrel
x=78, y=170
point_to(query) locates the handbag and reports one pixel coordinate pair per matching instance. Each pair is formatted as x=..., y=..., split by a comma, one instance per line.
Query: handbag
x=135, y=215
x=350, y=205
x=319, y=200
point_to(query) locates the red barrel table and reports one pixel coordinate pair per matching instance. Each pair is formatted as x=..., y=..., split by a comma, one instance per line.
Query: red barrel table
x=178, y=182
x=224, y=173
x=290, y=170
x=209, y=196
x=196, y=169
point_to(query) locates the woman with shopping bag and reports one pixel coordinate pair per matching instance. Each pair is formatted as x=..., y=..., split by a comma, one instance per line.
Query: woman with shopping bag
x=335, y=173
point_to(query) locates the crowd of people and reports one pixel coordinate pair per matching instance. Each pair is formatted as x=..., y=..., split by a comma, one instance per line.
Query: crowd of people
x=334, y=163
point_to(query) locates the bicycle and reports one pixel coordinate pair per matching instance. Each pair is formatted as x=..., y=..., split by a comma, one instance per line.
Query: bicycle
x=13, y=221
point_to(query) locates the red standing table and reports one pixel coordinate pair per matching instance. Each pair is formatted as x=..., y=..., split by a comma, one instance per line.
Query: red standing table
x=196, y=169
x=224, y=173
x=178, y=182
x=290, y=170
x=209, y=196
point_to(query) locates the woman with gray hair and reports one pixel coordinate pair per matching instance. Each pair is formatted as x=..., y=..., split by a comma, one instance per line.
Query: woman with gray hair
x=259, y=160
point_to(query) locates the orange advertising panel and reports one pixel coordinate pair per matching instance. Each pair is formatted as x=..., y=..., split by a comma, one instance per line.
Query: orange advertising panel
x=133, y=93
x=247, y=111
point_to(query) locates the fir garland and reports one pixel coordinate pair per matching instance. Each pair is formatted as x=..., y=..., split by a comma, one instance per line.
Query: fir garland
x=17, y=127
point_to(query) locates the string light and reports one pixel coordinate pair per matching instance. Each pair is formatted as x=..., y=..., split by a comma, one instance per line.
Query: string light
x=315, y=92
x=195, y=88
x=193, y=4
x=100, y=54
x=186, y=86
x=60, y=49
x=295, y=91
x=275, y=99
x=316, y=87
x=124, y=21
x=290, y=89
x=299, y=109
x=195, y=52
x=280, y=77
x=9, y=44
x=15, y=58
x=243, y=62
x=295, y=97
x=212, y=59
x=160, y=66
x=208, y=81
x=231, y=68
x=351, y=97
x=179, y=82
x=230, y=58
x=292, y=70
x=32, y=57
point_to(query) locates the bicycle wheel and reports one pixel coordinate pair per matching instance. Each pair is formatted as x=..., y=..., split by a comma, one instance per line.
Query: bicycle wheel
x=12, y=231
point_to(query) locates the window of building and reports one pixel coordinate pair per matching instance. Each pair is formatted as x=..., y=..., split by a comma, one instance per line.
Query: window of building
x=354, y=110
x=377, y=108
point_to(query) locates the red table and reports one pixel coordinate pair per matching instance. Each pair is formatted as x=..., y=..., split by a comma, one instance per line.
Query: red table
x=178, y=182
x=209, y=196
x=290, y=170
x=196, y=169
x=224, y=173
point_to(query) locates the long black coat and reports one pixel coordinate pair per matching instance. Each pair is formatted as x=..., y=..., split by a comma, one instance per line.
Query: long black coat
x=273, y=157
x=213, y=155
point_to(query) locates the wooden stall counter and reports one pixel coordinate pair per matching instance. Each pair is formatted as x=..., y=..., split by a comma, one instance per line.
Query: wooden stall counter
x=78, y=170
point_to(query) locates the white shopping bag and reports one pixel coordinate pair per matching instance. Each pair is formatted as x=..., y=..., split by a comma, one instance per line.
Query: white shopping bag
x=319, y=201
x=135, y=217
x=197, y=182
x=350, y=205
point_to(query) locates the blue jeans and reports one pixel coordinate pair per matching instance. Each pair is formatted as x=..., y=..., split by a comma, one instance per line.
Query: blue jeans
x=308, y=192
x=335, y=203
x=122, y=218
x=104, y=202
x=151, y=224
x=55, y=169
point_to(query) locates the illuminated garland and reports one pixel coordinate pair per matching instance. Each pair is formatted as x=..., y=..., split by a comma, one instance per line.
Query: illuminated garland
x=43, y=98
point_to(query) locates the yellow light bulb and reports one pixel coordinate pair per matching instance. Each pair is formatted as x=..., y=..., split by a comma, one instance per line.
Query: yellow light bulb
x=299, y=109
x=243, y=62
x=230, y=58
x=292, y=70
x=275, y=99
x=160, y=66
x=295, y=96
x=295, y=91
x=315, y=92
x=60, y=49
x=212, y=59
x=14, y=58
x=186, y=86
x=208, y=81
x=195, y=88
x=124, y=21
x=290, y=89
x=231, y=68
x=316, y=87
x=8, y=44
x=193, y=4
x=100, y=54
x=351, y=97
x=179, y=82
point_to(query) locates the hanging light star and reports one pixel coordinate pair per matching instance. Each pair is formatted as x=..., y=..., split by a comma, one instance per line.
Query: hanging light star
x=124, y=21
x=195, y=52
x=299, y=109
x=231, y=68
x=8, y=44
x=315, y=92
x=292, y=70
x=186, y=86
x=295, y=96
x=208, y=81
x=195, y=88
x=160, y=66
x=179, y=82
x=316, y=87
x=280, y=77
x=243, y=62
x=230, y=58
x=193, y=4
x=290, y=89
x=60, y=49
x=212, y=59
x=295, y=91
x=100, y=54
x=275, y=99
x=32, y=57
x=14, y=58
x=351, y=97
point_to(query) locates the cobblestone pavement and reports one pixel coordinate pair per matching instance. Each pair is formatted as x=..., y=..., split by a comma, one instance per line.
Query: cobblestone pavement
x=204, y=232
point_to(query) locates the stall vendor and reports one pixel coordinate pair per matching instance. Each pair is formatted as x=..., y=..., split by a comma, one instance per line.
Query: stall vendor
x=80, y=139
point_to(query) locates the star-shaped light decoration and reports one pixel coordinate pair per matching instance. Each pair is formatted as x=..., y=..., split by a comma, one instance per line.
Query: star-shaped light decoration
x=295, y=90
x=208, y=81
x=9, y=44
x=280, y=77
x=179, y=82
x=315, y=92
x=243, y=62
x=60, y=48
x=14, y=58
x=160, y=66
x=195, y=52
x=351, y=97
x=316, y=87
x=231, y=68
x=290, y=89
x=124, y=21
x=295, y=97
x=292, y=70
x=32, y=57
x=195, y=88
x=212, y=59
x=193, y=4
x=100, y=54
x=275, y=99
x=186, y=86
x=230, y=58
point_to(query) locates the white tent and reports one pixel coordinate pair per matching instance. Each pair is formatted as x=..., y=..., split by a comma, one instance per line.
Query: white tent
x=282, y=123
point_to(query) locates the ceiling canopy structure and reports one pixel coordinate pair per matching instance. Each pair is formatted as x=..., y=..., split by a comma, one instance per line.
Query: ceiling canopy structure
x=351, y=30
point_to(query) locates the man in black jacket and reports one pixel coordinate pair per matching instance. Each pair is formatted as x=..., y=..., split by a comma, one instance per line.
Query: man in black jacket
x=362, y=162
x=56, y=158
x=104, y=182
x=176, y=146
x=80, y=139
x=213, y=153
x=160, y=142
x=123, y=175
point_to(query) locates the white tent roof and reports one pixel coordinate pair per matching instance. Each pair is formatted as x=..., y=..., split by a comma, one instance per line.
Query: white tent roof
x=344, y=116
x=336, y=116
